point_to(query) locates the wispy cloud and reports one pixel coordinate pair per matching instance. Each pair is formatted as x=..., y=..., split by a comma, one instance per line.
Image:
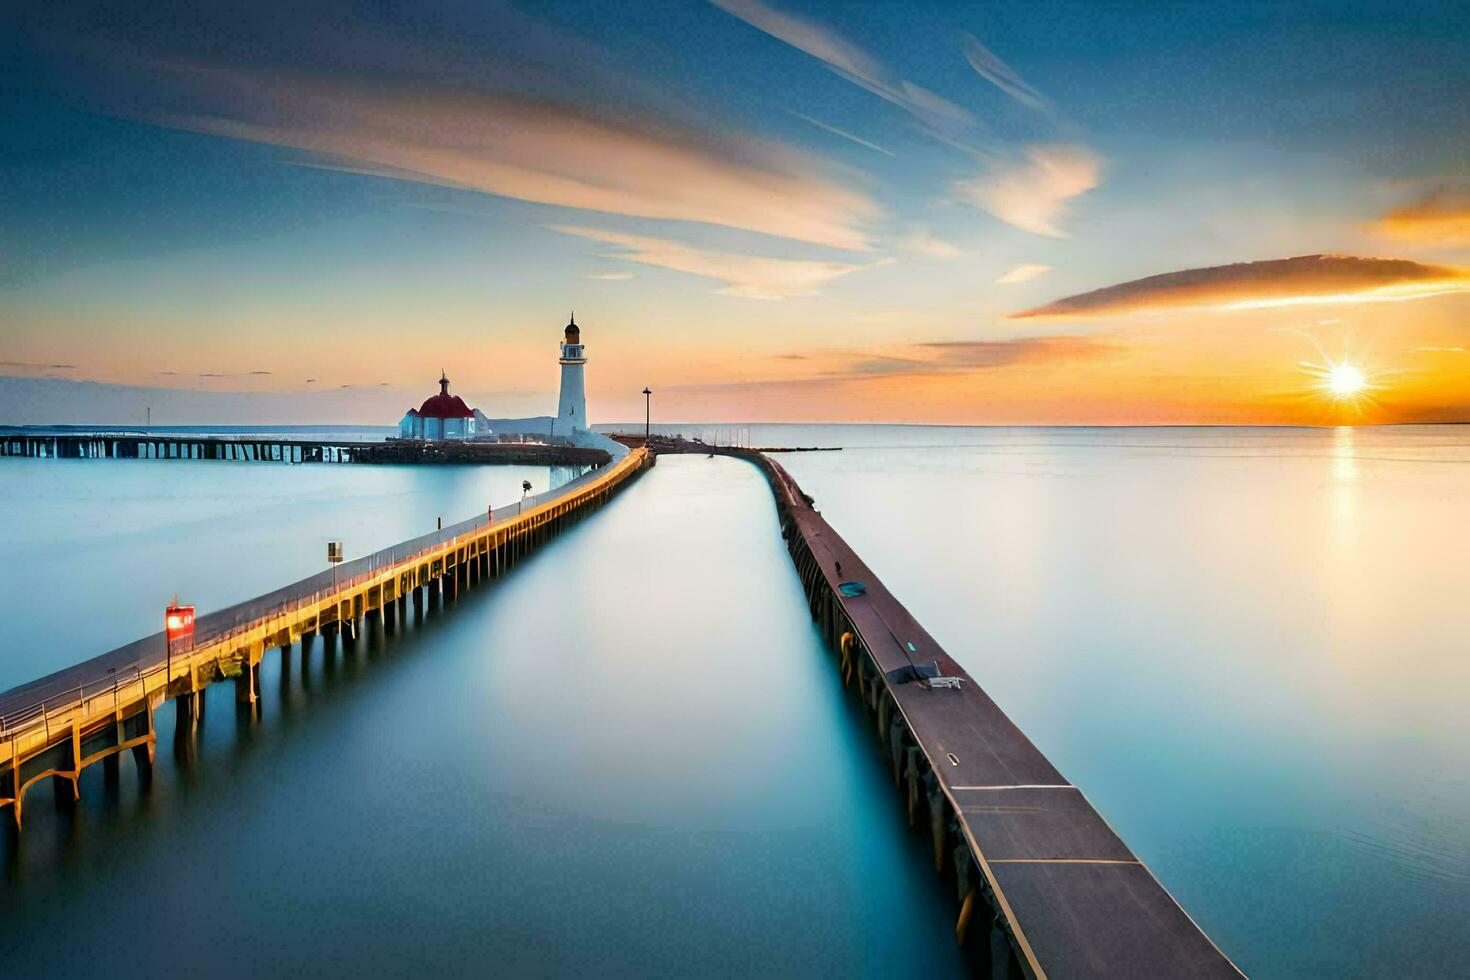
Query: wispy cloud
x=1254, y=285
x=214, y=374
x=844, y=134
x=609, y=276
x=974, y=354
x=955, y=357
x=849, y=61
x=1028, y=188
x=35, y=366
x=532, y=150
x=1001, y=75
x=1441, y=217
x=923, y=242
x=1031, y=192
x=1023, y=273
x=1438, y=350
x=749, y=276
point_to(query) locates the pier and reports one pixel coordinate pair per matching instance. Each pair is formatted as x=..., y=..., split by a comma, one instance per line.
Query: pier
x=55, y=727
x=83, y=444
x=1044, y=887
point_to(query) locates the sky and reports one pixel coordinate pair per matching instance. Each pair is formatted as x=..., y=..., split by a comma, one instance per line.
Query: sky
x=1054, y=213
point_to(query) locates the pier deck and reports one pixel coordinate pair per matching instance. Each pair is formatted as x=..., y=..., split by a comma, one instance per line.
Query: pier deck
x=1064, y=895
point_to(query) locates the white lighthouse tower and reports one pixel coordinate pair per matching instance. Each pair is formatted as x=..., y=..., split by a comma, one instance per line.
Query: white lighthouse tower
x=571, y=409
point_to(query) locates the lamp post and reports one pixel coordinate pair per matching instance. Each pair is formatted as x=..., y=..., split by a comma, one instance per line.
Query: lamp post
x=647, y=410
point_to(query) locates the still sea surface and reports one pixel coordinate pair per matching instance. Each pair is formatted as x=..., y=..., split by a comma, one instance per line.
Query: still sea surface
x=630, y=756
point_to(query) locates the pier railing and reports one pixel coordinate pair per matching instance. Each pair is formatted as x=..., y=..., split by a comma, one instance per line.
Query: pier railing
x=146, y=661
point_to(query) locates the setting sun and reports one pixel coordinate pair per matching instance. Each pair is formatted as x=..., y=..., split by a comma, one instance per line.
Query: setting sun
x=1345, y=380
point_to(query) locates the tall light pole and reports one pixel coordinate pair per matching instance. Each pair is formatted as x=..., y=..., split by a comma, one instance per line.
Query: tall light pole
x=647, y=410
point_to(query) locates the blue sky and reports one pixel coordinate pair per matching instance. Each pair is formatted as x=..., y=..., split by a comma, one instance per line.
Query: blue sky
x=767, y=211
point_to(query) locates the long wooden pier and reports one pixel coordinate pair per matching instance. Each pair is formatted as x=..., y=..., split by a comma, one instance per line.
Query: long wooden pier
x=1045, y=887
x=123, y=444
x=55, y=727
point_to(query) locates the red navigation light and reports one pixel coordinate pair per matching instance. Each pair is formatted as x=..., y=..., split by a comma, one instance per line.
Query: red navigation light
x=179, y=622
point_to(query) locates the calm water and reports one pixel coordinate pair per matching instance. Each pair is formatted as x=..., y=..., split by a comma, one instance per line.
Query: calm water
x=1249, y=648
x=665, y=782
x=115, y=539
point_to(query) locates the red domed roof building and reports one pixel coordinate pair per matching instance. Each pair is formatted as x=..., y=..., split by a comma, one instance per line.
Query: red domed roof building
x=441, y=416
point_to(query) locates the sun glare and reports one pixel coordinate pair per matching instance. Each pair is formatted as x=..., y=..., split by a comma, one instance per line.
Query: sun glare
x=1344, y=380
x=1349, y=385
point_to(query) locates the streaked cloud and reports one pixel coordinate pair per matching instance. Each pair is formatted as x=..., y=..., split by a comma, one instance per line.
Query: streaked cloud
x=850, y=62
x=215, y=373
x=609, y=276
x=1438, y=350
x=1028, y=188
x=1023, y=273
x=1441, y=217
x=922, y=242
x=531, y=150
x=1001, y=75
x=976, y=354
x=844, y=134
x=35, y=366
x=749, y=276
x=1256, y=285
x=1031, y=192
x=954, y=356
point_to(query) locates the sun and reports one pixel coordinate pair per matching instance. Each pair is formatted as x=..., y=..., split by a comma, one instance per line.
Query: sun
x=1345, y=380
x=1349, y=384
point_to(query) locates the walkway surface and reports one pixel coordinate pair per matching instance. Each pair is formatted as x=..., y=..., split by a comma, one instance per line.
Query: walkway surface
x=1080, y=903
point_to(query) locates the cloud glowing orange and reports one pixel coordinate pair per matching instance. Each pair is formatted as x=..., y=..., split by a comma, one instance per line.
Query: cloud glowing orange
x=1258, y=285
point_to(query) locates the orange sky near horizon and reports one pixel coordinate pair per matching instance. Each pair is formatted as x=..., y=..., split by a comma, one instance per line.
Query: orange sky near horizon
x=1250, y=366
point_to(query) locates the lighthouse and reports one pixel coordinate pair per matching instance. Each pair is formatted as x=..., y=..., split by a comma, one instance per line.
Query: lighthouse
x=571, y=409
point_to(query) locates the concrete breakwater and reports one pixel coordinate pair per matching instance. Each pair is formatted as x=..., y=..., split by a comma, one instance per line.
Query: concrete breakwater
x=54, y=727
x=266, y=449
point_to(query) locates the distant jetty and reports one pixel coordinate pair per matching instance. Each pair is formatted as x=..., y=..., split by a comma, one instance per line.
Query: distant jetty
x=123, y=444
x=678, y=444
